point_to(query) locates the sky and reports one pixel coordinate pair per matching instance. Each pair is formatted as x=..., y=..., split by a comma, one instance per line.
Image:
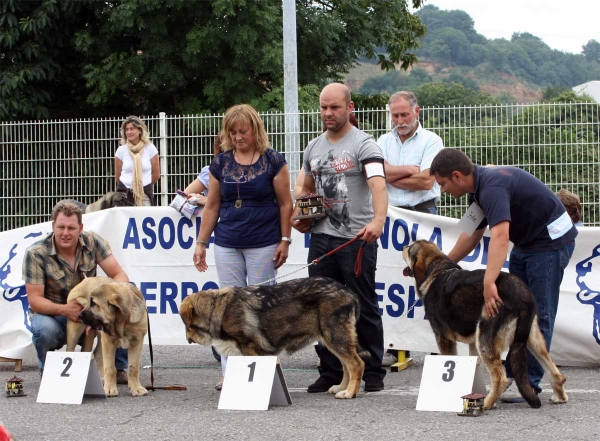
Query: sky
x=565, y=25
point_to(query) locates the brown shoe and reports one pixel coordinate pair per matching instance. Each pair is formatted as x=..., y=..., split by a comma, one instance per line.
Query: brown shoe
x=122, y=377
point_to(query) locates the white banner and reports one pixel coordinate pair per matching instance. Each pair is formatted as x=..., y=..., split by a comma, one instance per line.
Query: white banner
x=155, y=245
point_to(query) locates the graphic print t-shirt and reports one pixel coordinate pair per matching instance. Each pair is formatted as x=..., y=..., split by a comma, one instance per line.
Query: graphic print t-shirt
x=339, y=177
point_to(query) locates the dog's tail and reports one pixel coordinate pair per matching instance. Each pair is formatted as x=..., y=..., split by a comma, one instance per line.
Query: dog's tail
x=518, y=359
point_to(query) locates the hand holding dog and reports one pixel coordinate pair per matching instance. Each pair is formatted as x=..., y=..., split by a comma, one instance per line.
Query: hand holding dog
x=71, y=310
x=491, y=298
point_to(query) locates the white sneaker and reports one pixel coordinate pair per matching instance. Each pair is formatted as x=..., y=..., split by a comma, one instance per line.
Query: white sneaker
x=388, y=359
x=511, y=393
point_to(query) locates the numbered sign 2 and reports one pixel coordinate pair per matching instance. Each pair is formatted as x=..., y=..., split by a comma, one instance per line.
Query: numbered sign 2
x=446, y=379
x=252, y=383
x=68, y=376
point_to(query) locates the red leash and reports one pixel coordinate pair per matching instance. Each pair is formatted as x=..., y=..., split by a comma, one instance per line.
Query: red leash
x=357, y=265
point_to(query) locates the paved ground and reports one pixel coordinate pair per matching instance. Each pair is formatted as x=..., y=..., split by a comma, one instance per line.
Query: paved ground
x=193, y=414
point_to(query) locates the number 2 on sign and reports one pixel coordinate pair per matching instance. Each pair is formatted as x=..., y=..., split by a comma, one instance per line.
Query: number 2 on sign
x=68, y=361
x=448, y=376
x=252, y=366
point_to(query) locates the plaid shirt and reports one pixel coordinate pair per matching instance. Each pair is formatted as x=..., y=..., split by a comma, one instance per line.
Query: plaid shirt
x=43, y=266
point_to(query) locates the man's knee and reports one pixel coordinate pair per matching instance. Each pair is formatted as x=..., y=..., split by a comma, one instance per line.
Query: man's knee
x=48, y=330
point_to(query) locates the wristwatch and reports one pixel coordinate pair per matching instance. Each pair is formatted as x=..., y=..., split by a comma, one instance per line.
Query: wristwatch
x=287, y=239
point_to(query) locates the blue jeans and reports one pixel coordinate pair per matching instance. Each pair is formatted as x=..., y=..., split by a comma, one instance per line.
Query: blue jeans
x=49, y=333
x=543, y=273
x=369, y=326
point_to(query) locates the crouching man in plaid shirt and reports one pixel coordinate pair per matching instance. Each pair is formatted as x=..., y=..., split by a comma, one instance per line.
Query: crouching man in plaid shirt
x=55, y=265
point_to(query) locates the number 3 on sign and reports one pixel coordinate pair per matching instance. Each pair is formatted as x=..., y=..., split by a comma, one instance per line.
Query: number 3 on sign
x=449, y=375
x=445, y=380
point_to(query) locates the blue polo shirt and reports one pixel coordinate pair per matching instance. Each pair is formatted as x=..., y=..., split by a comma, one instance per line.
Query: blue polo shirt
x=538, y=220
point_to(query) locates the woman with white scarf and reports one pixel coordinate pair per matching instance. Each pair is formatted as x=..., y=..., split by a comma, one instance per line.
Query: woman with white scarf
x=136, y=163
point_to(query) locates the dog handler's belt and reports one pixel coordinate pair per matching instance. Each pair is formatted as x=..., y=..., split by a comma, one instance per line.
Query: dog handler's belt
x=420, y=207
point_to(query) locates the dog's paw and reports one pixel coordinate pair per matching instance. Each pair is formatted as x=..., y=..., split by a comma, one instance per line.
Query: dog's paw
x=344, y=395
x=488, y=405
x=335, y=389
x=111, y=390
x=138, y=391
x=559, y=400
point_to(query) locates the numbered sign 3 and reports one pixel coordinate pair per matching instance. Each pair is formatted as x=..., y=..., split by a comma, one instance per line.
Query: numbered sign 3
x=68, y=376
x=252, y=383
x=445, y=380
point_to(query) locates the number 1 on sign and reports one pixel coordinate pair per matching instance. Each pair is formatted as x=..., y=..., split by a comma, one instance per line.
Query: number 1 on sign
x=252, y=366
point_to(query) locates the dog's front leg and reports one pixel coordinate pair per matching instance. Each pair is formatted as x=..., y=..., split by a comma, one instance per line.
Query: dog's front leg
x=74, y=332
x=98, y=355
x=445, y=345
x=134, y=354
x=110, y=372
x=342, y=386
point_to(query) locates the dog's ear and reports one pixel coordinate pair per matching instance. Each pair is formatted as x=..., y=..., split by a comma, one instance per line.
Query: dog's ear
x=120, y=200
x=138, y=303
x=114, y=295
x=186, y=311
x=419, y=266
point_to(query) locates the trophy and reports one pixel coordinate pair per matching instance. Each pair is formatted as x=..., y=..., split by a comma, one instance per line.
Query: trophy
x=310, y=206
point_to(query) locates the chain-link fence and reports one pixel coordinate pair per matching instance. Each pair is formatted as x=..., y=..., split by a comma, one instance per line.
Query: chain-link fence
x=45, y=161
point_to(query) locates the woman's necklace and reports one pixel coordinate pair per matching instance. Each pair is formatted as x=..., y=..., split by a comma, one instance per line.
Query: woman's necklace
x=238, y=201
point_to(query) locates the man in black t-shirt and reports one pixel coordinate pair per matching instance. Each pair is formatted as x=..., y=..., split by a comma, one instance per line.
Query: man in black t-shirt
x=518, y=208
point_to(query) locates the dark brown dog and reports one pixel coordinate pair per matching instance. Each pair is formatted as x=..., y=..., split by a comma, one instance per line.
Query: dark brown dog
x=109, y=200
x=266, y=320
x=453, y=301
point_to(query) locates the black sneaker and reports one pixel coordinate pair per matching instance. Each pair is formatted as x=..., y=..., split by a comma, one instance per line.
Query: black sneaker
x=373, y=384
x=323, y=384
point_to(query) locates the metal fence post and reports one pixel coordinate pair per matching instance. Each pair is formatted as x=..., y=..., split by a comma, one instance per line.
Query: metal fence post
x=164, y=172
x=290, y=90
x=388, y=119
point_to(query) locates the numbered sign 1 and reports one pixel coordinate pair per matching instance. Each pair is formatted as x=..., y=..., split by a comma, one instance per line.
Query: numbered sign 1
x=446, y=379
x=68, y=376
x=253, y=383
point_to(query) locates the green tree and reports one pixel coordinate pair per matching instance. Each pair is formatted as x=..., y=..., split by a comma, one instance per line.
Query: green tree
x=591, y=51
x=450, y=94
x=394, y=81
x=142, y=56
x=551, y=92
x=28, y=48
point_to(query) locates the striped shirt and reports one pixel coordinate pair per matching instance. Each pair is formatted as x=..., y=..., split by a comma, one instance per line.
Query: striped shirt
x=419, y=149
x=42, y=265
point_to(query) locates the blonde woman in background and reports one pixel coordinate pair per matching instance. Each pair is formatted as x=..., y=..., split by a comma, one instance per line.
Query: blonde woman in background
x=136, y=163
